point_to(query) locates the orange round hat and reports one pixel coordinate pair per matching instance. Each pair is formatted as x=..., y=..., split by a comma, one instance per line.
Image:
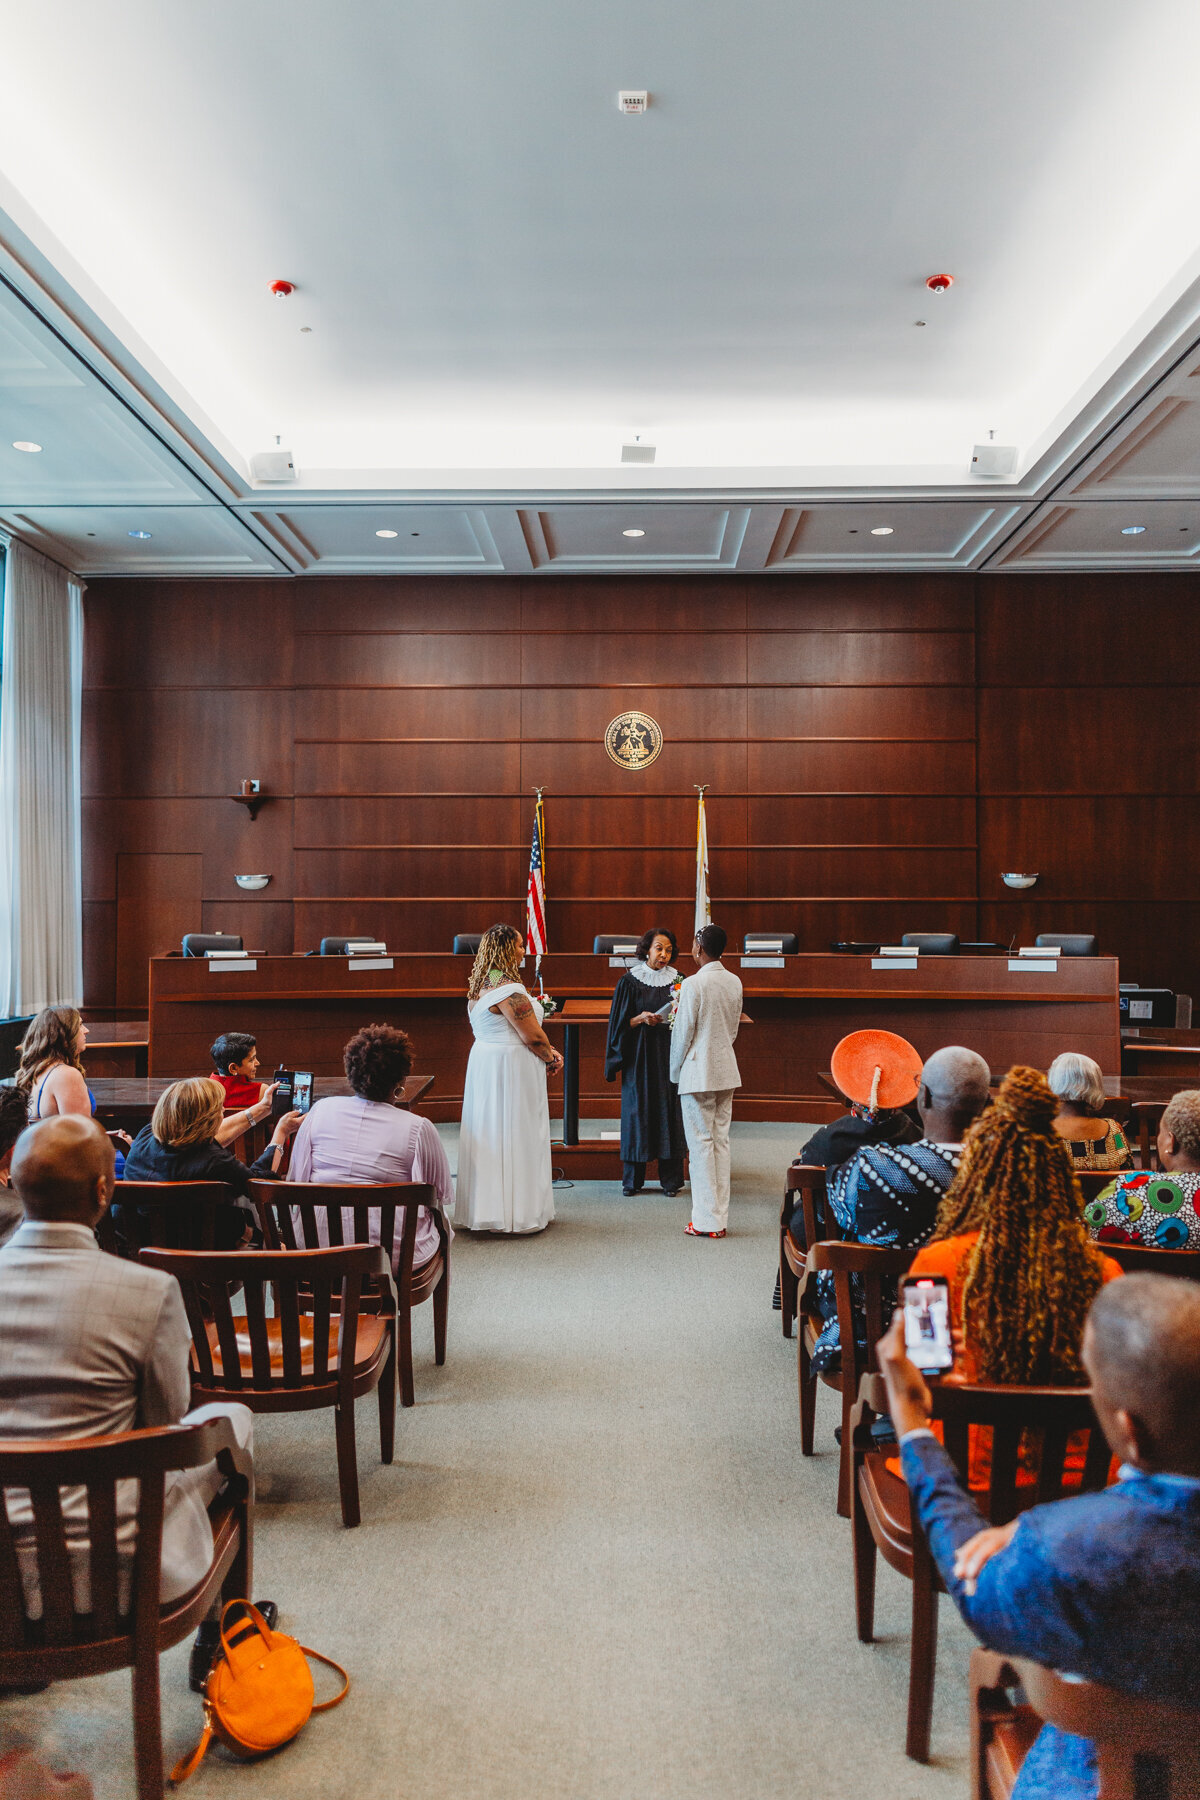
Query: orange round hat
x=859, y=1055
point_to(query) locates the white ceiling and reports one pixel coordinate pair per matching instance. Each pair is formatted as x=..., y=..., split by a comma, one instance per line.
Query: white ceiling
x=504, y=279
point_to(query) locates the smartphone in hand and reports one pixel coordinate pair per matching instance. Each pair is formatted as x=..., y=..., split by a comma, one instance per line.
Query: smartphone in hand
x=927, y=1338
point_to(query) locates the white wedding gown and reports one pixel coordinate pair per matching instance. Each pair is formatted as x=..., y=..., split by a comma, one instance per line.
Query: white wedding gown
x=504, y=1173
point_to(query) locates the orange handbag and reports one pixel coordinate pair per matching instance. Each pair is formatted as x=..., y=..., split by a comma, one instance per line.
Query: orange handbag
x=259, y=1692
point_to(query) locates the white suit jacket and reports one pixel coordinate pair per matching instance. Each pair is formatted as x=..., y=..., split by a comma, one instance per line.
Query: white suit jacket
x=706, y=1023
x=89, y=1345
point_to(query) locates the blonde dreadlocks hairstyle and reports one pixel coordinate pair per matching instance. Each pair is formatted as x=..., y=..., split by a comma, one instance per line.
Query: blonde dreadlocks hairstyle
x=1033, y=1273
x=499, y=954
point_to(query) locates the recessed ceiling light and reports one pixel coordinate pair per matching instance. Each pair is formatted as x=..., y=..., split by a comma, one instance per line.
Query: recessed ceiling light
x=633, y=531
x=1132, y=530
x=387, y=534
x=27, y=445
x=141, y=534
x=881, y=531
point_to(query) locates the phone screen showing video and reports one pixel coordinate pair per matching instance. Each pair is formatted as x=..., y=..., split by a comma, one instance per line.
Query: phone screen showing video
x=302, y=1091
x=927, y=1324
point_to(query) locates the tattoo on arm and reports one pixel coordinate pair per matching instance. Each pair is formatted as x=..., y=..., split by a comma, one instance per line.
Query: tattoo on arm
x=521, y=1008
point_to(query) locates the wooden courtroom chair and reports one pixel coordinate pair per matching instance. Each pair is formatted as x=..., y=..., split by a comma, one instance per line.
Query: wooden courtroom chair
x=883, y=1521
x=292, y=1215
x=805, y=1186
x=873, y=1271
x=117, y=1632
x=180, y=1215
x=1183, y=1264
x=1125, y=1729
x=1092, y=1182
x=1145, y=1119
x=319, y=1348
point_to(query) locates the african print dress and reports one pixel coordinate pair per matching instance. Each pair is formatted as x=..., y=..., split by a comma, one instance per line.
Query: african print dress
x=1158, y=1210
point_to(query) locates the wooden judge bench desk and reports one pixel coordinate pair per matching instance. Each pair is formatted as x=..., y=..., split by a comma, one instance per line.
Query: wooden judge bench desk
x=302, y=1009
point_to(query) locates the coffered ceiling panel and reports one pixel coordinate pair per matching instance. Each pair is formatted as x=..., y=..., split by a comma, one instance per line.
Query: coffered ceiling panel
x=886, y=534
x=92, y=448
x=669, y=536
x=183, y=540
x=347, y=539
x=1107, y=535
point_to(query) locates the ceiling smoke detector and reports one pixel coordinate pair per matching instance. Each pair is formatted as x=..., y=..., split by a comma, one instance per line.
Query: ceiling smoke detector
x=637, y=453
x=939, y=284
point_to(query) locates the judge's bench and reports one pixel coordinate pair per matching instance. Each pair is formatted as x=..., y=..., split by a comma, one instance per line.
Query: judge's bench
x=302, y=1009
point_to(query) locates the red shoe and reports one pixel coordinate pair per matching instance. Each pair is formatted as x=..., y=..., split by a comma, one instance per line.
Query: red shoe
x=692, y=1232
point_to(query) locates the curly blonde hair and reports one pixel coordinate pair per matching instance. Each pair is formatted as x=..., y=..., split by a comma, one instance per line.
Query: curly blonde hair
x=1032, y=1273
x=500, y=954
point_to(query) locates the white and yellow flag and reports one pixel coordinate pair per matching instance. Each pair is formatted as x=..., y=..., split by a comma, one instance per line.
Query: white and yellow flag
x=703, y=904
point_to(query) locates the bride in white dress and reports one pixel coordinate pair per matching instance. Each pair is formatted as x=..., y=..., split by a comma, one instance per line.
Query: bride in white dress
x=505, y=1180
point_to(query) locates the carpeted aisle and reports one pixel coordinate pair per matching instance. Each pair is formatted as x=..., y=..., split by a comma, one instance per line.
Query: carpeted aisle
x=599, y=1568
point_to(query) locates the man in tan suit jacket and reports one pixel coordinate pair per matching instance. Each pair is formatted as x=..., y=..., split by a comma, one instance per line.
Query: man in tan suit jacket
x=704, y=1069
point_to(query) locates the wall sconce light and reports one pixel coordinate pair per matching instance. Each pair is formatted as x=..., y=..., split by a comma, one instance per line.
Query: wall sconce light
x=1018, y=881
x=253, y=882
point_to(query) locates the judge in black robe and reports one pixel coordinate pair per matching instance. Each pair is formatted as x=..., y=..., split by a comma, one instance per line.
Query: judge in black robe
x=639, y=1051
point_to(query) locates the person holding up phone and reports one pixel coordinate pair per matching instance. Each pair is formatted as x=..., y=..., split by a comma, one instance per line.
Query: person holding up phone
x=181, y=1143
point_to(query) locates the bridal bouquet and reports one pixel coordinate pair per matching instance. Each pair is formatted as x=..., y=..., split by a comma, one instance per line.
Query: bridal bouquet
x=547, y=1004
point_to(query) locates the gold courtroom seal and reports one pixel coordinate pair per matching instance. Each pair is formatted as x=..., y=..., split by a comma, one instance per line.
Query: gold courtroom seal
x=633, y=740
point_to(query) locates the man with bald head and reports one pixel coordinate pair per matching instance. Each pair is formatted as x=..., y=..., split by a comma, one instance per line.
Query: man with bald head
x=1104, y=1586
x=90, y=1344
x=889, y=1194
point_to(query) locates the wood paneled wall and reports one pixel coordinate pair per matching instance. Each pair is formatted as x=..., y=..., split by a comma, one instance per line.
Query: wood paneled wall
x=877, y=750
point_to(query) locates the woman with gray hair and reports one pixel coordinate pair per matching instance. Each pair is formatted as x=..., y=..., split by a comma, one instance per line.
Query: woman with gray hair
x=1095, y=1142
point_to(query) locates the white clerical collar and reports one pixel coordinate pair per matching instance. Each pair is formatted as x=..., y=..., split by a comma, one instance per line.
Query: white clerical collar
x=654, y=977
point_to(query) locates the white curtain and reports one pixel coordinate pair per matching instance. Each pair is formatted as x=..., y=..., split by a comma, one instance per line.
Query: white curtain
x=41, y=680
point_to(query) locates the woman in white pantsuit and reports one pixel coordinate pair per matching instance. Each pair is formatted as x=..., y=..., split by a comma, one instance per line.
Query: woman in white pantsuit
x=505, y=1180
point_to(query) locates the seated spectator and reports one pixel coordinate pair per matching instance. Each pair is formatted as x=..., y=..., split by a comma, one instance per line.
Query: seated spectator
x=1102, y=1586
x=50, y=1072
x=14, y=1113
x=875, y=1083
x=180, y=1144
x=90, y=1344
x=889, y=1194
x=235, y=1061
x=1158, y=1210
x=366, y=1137
x=1010, y=1241
x=1095, y=1142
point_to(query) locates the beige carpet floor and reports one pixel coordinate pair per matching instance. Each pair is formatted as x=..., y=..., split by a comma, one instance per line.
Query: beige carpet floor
x=598, y=1569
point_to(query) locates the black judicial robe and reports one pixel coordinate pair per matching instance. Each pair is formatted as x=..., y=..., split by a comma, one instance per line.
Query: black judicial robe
x=651, y=1120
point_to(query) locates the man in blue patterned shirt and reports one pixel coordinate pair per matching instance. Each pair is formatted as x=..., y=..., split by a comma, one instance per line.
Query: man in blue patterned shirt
x=1103, y=1586
x=889, y=1194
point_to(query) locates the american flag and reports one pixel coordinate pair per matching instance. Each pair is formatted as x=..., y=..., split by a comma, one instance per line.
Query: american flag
x=535, y=898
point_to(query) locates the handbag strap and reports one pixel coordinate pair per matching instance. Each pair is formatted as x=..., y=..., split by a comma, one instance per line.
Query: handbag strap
x=187, y=1765
x=324, y=1705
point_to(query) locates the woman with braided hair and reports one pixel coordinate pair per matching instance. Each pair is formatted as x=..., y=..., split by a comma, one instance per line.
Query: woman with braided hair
x=1011, y=1241
x=505, y=1180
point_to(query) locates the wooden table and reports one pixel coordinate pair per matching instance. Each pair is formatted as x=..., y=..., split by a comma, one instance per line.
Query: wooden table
x=126, y=1104
x=303, y=1009
x=116, y=1048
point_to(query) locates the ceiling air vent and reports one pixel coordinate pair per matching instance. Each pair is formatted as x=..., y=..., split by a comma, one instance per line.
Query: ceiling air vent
x=637, y=453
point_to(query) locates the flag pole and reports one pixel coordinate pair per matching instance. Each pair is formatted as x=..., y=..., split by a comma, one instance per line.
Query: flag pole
x=541, y=823
x=703, y=900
